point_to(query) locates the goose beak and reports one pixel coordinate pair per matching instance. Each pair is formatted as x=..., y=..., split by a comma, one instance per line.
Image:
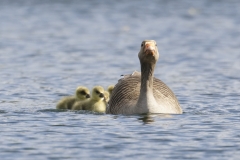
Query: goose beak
x=149, y=48
x=101, y=95
x=87, y=96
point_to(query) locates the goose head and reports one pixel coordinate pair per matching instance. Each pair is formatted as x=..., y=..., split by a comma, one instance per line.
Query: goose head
x=98, y=93
x=148, y=52
x=82, y=93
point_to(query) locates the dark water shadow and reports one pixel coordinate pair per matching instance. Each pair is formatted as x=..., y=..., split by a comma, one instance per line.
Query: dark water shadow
x=73, y=111
x=150, y=118
x=146, y=118
x=87, y=112
x=53, y=110
x=2, y=111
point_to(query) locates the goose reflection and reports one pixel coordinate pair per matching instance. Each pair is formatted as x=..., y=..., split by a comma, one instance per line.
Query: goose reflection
x=149, y=118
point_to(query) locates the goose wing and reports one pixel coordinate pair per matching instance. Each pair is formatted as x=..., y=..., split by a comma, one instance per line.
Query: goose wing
x=125, y=93
x=164, y=95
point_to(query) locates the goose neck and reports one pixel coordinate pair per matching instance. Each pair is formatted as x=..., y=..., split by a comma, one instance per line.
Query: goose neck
x=147, y=70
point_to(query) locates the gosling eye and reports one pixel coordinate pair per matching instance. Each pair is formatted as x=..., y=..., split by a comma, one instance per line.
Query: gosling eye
x=155, y=44
x=83, y=93
x=97, y=92
x=142, y=45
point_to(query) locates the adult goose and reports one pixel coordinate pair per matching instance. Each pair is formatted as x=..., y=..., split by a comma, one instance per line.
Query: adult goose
x=141, y=93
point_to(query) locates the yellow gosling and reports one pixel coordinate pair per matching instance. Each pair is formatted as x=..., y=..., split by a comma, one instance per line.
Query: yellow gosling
x=82, y=93
x=96, y=103
x=110, y=89
x=78, y=105
x=106, y=96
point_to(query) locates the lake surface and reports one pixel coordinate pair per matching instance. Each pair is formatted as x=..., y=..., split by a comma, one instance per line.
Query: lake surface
x=48, y=48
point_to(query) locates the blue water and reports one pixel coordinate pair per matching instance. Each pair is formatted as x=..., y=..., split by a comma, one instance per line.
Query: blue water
x=48, y=48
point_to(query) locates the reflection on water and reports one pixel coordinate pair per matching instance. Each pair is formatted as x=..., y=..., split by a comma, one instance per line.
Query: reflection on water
x=146, y=119
x=48, y=48
x=149, y=118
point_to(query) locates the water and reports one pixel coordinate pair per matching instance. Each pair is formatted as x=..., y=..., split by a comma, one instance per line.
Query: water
x=49, y=48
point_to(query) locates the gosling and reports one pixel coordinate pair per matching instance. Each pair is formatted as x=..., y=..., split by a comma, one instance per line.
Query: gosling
x=82, y=93
x=106, y=96
x=96, y=103
x=110, y=89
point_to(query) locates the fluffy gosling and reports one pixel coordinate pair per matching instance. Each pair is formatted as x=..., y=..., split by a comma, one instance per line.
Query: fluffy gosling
x=96, y=103
x=110, y=89
x=82, y=93
x=106, y=96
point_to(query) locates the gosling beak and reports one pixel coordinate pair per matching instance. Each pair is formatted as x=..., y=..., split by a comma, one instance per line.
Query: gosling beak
x=87, y=96
x=149, y=48
x=101, y=95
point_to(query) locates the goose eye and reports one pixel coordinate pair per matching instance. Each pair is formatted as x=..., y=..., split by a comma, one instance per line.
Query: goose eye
x=97, y=92
x=83, y=92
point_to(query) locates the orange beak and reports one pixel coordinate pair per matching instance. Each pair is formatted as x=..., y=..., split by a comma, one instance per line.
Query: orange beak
x=149, y=48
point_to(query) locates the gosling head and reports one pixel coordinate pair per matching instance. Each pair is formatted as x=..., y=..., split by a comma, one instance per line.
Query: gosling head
x=110, y=89
x=148, y=52
x=98, y=93
x=82, y=93
x=106, y=96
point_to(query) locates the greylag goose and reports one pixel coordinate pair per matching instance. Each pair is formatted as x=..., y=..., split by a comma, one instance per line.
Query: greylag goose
x=82, y=93
x=141, y=93
x=96, y=103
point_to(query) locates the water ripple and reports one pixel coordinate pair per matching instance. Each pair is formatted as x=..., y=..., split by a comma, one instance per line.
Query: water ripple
x=48, y=48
